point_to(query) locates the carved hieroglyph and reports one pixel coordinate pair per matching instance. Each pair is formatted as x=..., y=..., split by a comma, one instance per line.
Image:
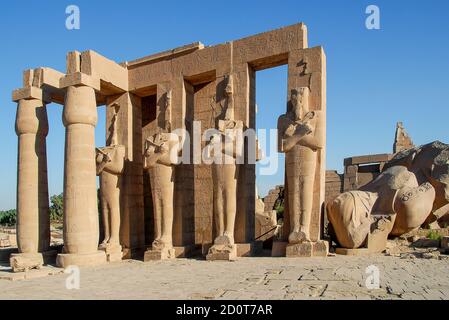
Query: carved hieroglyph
x=413, y=184
x=110, y=164
x=302, y=134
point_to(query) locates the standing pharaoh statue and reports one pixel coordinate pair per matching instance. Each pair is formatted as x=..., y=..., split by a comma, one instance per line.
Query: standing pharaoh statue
x=225, y=149
x=301, y=134
x=160, y=156
x=110, y=164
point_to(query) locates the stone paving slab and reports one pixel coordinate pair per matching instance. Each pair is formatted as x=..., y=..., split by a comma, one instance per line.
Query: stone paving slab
x=338, y=277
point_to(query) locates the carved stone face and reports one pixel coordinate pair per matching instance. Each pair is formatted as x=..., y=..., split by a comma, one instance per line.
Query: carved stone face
x=299, y=100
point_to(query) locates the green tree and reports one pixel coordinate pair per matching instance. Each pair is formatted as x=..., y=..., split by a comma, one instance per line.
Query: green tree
x=56, y=208
x=8, y=217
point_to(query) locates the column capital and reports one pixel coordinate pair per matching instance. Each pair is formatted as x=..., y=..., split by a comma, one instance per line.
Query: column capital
x=31, y=117
x=30, y=93
x=80, y=106
x=79, y=79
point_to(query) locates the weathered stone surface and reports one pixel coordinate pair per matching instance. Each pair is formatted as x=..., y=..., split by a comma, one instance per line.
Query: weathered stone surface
x=445, y=244
x=64, y=260
x=279, y=248
x=22, y=262
x=222, y=252
x=395, y=202
x=402, y=140
x=426, y=243
x=161, y=254
x=307, y=249
x=339, y=277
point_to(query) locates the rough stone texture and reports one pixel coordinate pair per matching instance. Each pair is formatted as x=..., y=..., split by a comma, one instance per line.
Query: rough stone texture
x=339, y=277
x=412, y=185
x=266, y=221
x=402, y=140
x=25, y=261
x=274, y=195
x=161, y=254
x=226, y=252
x=334, y=185
x=445, y=244
x=308, y=249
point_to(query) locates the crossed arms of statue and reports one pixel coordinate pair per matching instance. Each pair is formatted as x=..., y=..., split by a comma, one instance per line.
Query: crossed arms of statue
x=308, y=132
x=158, y=150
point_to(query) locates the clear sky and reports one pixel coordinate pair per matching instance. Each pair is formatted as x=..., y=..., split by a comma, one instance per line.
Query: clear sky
x=374, y=77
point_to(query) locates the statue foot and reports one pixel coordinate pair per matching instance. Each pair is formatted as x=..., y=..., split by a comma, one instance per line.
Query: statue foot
x=161, y=243
x=104, y=244
x=298, y=237
x=225, y=239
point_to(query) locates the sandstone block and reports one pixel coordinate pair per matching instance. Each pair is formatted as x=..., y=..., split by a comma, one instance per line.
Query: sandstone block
x=445, y=244
x=279, y=249
x=222, y=252
x=21, y=262
x=162, y=254
x=66, y=259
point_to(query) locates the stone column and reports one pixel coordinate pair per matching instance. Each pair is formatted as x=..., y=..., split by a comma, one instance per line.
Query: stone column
x=81, y=222
x=33, y=221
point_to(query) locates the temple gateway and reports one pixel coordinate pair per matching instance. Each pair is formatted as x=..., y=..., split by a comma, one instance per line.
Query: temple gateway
x=177, y=173
x=150, y=205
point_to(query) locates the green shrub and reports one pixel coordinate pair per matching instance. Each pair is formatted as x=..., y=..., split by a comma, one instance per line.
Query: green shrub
x=433, y=235
x=8, y=217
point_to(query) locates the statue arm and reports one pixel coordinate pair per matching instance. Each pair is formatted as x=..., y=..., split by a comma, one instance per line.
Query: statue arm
x=288, y=141
x=102, y=160
x=317, y=140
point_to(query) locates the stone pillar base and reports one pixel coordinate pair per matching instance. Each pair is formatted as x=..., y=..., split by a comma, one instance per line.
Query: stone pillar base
x=133, y=253
x=162, y=254
x=21, y=262
x=279, y=248
x=242, y=249
x=307, y=249
x=224, y=252
x=113, y=253
x=64, y=260
x=249, y=249
x=353, y=252
x=185, y=251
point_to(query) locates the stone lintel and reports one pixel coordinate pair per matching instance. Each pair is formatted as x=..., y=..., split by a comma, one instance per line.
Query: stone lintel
x=29, y=93
x=80, y=79
x=113, y=76
x=372, y=158
x=165, y=54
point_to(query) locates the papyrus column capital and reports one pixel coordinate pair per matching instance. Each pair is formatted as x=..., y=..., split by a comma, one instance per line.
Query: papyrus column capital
x=31, y=117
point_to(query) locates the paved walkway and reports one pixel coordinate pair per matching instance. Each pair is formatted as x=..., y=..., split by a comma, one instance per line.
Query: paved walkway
x=337, y=277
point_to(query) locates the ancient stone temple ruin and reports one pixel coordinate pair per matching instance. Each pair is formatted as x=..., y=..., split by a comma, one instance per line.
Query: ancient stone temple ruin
x=152, y=205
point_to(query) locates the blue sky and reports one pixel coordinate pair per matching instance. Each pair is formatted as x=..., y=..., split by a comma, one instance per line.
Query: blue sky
x=374, y=77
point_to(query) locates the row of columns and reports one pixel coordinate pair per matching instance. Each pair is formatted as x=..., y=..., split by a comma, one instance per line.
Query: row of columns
x=81, y=222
